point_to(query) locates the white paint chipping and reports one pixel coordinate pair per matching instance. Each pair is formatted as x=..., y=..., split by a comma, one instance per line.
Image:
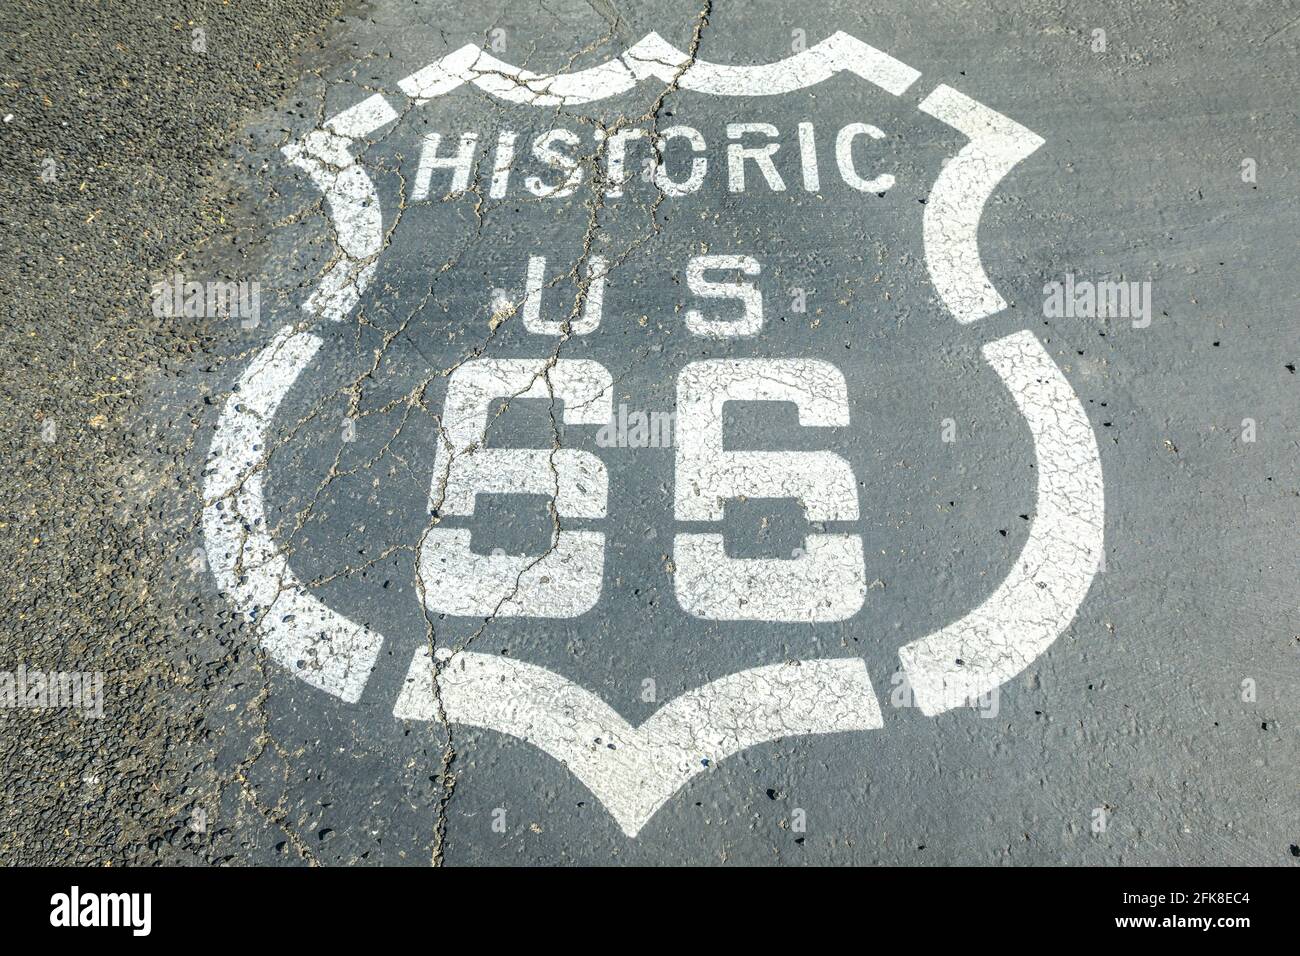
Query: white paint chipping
x=370, y=114
x=1043, y=591
x=827, y=582
x=655, y=58
x=750, y=322
x=707, y=476
x=956, y=203
x=565, y=581
x=297, y=630
x=441, y=76
x=355, y=215
x=633, y=771
x=593, y=306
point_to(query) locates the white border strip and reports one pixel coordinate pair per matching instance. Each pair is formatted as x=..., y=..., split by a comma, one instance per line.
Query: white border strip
x=306, y=636
x=952, y=213
x=1044, y=589
x=653, y=57
x=634, y=771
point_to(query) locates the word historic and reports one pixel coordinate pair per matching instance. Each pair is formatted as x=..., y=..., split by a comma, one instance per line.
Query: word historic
x=676, y=162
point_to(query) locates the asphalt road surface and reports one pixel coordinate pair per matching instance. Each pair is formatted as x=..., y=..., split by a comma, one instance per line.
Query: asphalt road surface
x=572, y=433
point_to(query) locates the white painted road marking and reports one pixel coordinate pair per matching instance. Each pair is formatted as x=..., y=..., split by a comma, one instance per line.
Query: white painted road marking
x=301, y=633
x=647, y=765
x=634, y=771
x=566, y=580
x=1039, y=597
x=952, y=213
x=828, y=581
x=652, y=57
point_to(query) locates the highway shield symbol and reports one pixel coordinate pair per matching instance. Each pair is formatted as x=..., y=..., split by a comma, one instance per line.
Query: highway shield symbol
x=561, y=381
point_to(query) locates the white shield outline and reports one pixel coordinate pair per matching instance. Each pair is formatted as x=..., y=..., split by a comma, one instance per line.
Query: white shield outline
x=634, y=771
